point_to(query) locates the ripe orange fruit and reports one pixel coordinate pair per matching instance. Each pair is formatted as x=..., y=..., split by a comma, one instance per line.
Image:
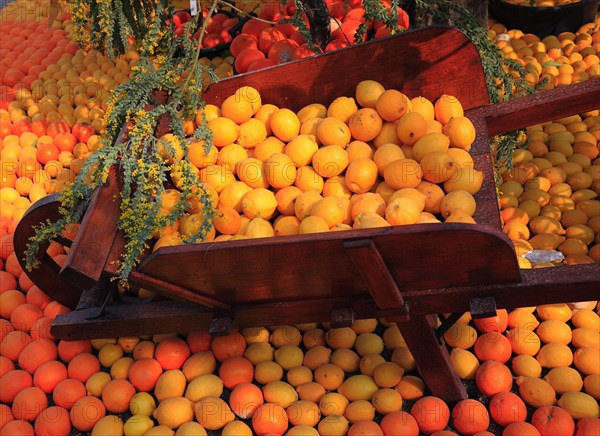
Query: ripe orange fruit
x=493, y=377
x=361, y=175
x=401, y=423
x=520, y=429
x=245, y=398
x=144, y=373
x=431, y=414
x=29, y=403
x=285, y=124
x=270, y=419
x=506, y=408
x=53, y=421
x=365, y=428
x=493, y=346
x=446, y=107
x=470, y=417
x=172, y=353
x=552, y=420
x=117, y=394
x=365, y=124
x=403, y=173
x=367, y=93
x=86, y=412
x=332, y=131
x=236, y=370
x=82, y=366
x=411, y=127
x=392, y=104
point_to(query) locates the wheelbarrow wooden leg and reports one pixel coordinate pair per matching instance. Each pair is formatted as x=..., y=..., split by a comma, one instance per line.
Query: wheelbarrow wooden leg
x=432, y=358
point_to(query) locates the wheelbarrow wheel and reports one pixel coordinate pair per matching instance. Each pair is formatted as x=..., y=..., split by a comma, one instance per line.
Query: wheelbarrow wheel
x=46, y=275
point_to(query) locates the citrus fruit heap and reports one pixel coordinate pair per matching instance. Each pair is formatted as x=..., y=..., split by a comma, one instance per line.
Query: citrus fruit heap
x=261, y=44
x=549, y=200
x=372, y=160
x=558, y=59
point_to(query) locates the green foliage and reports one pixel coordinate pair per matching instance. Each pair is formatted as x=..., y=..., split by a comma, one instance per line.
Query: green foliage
x=107, y=25
x=167, y=84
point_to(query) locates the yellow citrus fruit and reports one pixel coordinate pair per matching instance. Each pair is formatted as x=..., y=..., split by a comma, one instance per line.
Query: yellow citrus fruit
x=536, y=392
x=446, y=107
x=526, y=366
x=342, y=108
x=564, y=379
x=579, y=405
x=555, y=354
x=392, y=104
x=465, y=363
x=461, y=132
x=367, y=93
x=358, y=387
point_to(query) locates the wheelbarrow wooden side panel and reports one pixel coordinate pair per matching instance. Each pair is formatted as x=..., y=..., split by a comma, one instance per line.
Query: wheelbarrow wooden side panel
x=426, y=62
x=317, y=266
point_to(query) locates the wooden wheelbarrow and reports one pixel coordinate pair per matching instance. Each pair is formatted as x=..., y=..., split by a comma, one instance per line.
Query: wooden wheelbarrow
x=405, y=274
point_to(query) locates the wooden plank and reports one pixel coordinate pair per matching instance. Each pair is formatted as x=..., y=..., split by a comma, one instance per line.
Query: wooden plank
x=432, y=358
x=540, y=107
x=46, y=276
x=267, y=270
x=89, y=253
x=366, y=259
x=405, y=62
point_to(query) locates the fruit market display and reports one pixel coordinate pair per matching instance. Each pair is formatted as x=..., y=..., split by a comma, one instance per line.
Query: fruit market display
x=558, y=60
x=531, y=370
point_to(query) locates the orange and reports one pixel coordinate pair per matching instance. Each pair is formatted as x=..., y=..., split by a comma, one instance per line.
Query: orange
x=403, y=173
x=330, y=161
x=400, y=422
x=86, y=412
x=279, y=171
x=267, y=148
x=144, y=373
x=13, y=343
x=424, y=107
x=493, y=346
x=365, y=428
x=116, y=395
x=301, y=149
x=172, y=353
x=360, y=410
x=332, y=131
x=82, y=366
x=285, y=124
x=367, y=202
x=224, y=130
x=239, y=110
x=438, y=166
x=331, y=209
x=365, y=124
x=430, y=413
x=411, y=127
x=236, y=370
x=367, y=93
x=245, y=398
x=520, y=429
x=307, y=179
x=227, y=221
x=470, y=417
x=386, y=154
x=446, y=107
x=53, y=420
x=342, y=108
x=270, y=418
x=461, y=132
x=536, y=392
x=251, y=133
x=493, y=377
x=259, y=202
x=553, y=420
x=506, y=408
x=36, y=353
x=199, y=156
x=523, y=341
x=230, y=155
x=303, y=412
x=251, y=171
x=587, y=426
x=315, y=110
x=212, y=413
x=392, y=104
x=29, y=403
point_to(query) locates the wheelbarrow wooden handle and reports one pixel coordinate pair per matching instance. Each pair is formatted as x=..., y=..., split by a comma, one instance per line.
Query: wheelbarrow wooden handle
x=538, y=108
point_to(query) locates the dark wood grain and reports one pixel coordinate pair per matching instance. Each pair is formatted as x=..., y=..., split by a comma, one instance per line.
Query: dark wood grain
x=88, y=255
x=46, y=275
x=405, y=62
x=374, y=272
x=540, y=107
x=316, y=266
x=433, y=360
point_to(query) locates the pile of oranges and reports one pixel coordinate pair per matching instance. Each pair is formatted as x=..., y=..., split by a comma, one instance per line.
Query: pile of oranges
x=373, y=160
x=558, y=59
x=276, y=172
x=549, y=200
